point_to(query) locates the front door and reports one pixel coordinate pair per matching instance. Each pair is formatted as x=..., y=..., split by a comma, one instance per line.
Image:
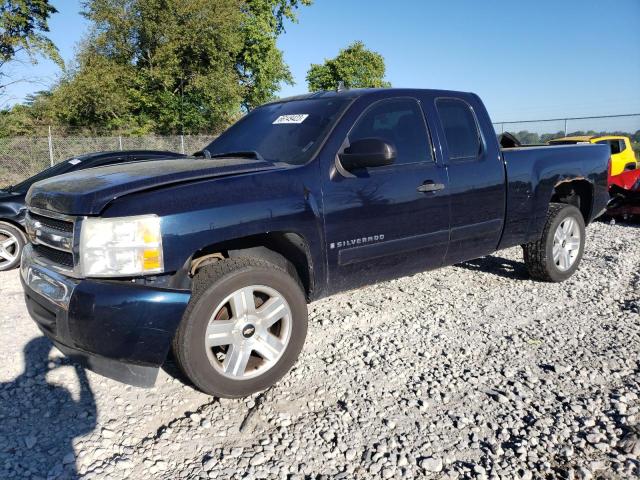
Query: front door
x=389, y=221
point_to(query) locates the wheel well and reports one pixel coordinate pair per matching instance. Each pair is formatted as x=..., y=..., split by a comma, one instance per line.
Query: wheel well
x=285, y=249
x=16, y=225
x=576, y=192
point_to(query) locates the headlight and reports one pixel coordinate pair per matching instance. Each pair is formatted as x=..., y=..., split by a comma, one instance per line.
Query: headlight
x=117, y=247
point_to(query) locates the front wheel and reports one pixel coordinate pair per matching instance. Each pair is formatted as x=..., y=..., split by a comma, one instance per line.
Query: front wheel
x=557, y=254
x=243, y=328
x=11, y=244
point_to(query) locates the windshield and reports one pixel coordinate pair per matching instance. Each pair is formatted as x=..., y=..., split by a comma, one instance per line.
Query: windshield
x=289, y=132
x=57, y=169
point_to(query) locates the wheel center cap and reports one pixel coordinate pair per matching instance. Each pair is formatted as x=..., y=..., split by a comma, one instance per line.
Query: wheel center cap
x=248, y=331
x=564, y=243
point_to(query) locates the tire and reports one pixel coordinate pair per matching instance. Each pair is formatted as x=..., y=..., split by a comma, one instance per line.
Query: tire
x=221, y=289
x=12, y=241
x=539, y=255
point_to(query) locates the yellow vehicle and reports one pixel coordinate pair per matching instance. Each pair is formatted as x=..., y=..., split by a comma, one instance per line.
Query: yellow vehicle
x=622, y=155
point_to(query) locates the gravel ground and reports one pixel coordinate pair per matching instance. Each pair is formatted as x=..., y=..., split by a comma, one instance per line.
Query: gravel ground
x=472, y=371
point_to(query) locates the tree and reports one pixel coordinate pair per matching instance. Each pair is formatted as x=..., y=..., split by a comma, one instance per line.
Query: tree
x=528, y=138
x=545, y=137
x=26, y=119
x=22, y=27
x=356, y=66
x=173, y=66
x=260, y=65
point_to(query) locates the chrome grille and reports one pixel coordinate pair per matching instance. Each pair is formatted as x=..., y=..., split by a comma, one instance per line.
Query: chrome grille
x=52, y=237
x=64, y=259
x=52, y=223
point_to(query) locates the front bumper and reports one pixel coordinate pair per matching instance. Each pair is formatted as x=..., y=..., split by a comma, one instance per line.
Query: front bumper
x=118, y=329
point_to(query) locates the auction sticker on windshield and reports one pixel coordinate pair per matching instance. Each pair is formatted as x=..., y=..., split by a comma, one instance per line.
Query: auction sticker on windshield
x=289, y=119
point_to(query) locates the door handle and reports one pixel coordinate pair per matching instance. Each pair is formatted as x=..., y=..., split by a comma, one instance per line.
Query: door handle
x=429, y=186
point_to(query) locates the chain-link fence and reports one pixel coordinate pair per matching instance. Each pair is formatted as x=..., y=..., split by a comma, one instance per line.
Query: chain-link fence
x=541, y=131
x=22, y=157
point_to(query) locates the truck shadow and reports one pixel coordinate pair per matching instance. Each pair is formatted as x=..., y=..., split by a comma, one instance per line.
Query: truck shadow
x=170, y=366
x=499, y=266
x=39, y=420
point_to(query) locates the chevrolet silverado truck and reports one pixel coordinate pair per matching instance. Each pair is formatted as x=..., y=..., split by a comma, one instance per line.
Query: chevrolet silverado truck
x=216, y=257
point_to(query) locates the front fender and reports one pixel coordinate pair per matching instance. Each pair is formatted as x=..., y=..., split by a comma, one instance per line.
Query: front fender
x=198, y=215
x=13, y=209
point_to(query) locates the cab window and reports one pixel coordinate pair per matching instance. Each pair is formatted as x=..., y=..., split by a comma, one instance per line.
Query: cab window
x=399, y=122
x=460, y=128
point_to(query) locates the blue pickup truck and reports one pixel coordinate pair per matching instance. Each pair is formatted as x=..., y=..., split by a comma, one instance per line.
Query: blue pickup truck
x=216, y=256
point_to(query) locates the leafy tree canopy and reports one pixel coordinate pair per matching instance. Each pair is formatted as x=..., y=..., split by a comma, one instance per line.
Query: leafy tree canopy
x=23, y=24
x=154, y=66
x=172, y=66
x=260, y=65
x=355, y=65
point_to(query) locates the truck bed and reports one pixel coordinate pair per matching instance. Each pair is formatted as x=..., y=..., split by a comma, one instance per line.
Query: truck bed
x=532, y=171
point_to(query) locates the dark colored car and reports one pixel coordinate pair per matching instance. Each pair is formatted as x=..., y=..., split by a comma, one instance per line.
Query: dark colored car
x=217, y=257
x=12, y=198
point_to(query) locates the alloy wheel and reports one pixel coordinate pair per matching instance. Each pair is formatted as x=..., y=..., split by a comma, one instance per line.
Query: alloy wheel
x=9, y=247
x=566, y=244
x=248, y=332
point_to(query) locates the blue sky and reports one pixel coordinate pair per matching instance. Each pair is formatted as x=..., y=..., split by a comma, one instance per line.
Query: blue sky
x=527, y=60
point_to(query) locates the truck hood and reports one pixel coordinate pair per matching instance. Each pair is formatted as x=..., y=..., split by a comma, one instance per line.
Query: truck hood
x=88, y=192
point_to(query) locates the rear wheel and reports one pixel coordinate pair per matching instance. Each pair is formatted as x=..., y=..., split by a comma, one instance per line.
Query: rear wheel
x=556, y=256
x=11, y=244
x=243, y=328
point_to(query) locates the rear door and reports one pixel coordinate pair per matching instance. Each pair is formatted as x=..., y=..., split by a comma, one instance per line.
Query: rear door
x=476, y=172
x=382, y=222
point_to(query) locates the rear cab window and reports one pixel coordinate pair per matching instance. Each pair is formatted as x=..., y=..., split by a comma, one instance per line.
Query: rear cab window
x=399, y=122
x=460, y=128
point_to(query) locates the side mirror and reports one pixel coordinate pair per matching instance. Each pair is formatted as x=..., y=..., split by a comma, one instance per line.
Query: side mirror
x=367, y=152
